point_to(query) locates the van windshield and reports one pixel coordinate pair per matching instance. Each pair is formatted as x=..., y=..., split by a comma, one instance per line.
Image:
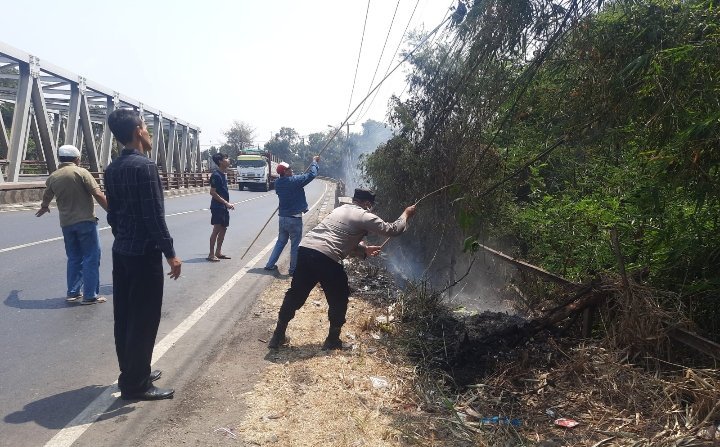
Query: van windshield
x=250, y=163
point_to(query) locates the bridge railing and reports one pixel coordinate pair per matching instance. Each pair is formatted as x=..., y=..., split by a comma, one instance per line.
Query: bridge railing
x=53, y=106
x=27, y=167
x=170, y=180
x=177, y=180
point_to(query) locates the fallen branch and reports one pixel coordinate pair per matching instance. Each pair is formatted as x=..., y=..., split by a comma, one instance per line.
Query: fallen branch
x=583, y=300
x=587, y=300
x=696, y=342
x=525, y=266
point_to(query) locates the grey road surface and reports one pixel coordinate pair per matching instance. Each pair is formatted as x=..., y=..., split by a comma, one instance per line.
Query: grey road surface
x=55, y=358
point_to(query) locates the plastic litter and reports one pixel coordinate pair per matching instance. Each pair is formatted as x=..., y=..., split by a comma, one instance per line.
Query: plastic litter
x=379, y=382
x=501, y=420
x=709, y=433
x=226, y=431
x=568, y=423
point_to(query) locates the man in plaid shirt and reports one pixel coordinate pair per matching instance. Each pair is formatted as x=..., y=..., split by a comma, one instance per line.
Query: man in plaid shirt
x=136, y=213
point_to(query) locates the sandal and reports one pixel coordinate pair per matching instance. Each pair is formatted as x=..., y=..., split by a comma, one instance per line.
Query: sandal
x=223, y=257
x=212, y=259
x=73, y=298
x=100, y=299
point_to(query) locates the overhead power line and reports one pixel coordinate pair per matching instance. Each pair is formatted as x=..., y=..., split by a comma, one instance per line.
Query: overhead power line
x=382, y=52
x=399, y=64
x=357, y=65
x=362, y=113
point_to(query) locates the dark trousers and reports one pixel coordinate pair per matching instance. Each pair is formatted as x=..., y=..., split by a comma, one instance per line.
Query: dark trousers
x=314, y=267
x=137, y=300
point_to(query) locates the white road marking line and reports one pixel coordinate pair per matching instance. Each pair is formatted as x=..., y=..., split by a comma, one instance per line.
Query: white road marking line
x=32, y=206
x=208, y=209
x=76, y=427
x=30, y=244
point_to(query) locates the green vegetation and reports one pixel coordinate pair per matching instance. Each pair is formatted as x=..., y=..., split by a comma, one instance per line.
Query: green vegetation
x=632, y=89
x=339, y=156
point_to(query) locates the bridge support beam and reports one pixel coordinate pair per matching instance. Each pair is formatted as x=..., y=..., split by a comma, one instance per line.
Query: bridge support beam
x=170, y=159
x=21, y=118
x=71, y=127
x=35, y=135
x=44, y=137
x=88, y=135
x=4, y=140
x=57, y=125
x=107, y=138
x=184, y=159
x=158, y=141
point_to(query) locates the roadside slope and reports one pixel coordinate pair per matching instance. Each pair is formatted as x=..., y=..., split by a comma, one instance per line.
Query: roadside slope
x=299, y=395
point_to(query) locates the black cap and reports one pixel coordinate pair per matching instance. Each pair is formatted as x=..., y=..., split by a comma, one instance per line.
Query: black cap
x=364, y=194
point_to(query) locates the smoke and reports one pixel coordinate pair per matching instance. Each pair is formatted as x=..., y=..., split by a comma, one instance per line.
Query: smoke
x=373, y=135
x=471, y=283
x=431, y=250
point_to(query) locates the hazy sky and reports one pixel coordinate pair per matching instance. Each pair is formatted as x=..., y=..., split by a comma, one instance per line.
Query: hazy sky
x=267, y=63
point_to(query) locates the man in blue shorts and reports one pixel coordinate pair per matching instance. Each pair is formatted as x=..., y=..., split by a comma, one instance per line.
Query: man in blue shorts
x=219, y=207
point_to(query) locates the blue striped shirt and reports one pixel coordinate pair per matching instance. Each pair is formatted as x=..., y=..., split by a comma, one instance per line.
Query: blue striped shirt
x=136, y=210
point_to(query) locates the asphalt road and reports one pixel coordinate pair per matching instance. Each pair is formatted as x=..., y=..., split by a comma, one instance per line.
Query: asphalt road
x=56, y=358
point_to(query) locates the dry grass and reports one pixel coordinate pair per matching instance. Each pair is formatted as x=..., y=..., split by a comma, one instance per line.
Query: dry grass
x=598, y=383
x=307, y=397
x=598, y=388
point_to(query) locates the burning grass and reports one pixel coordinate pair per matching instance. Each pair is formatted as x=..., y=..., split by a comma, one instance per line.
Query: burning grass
x=618, y=387
x=415, y=373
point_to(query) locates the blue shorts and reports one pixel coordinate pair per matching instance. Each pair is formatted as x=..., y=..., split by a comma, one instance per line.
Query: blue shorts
x=220, y=217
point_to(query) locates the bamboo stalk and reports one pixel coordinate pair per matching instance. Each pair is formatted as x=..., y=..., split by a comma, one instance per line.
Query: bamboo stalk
x=259, y=233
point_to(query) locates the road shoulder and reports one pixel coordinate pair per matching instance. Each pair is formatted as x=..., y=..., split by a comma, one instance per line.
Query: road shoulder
x=300, y=395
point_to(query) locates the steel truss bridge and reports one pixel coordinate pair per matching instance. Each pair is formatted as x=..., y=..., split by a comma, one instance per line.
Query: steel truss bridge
x=53, y=106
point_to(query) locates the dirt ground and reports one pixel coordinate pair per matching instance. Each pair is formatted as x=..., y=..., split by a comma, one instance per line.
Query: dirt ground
x=299, y=395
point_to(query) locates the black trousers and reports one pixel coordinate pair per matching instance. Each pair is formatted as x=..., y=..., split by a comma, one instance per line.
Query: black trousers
x=314, y=267
x=137, y=300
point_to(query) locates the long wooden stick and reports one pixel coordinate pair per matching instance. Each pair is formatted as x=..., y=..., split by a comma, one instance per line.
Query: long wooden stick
x=260, y=232
x=524, y=265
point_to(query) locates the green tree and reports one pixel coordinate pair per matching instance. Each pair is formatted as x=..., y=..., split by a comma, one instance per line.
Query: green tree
x=284, y=144
x=631, y=89
x=240, y=136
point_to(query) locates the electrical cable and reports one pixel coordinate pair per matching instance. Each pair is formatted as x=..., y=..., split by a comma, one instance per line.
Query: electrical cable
x=450, y=48
x=422, y=42
x=365, y=110
x=357, y=65
x=382, y=52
